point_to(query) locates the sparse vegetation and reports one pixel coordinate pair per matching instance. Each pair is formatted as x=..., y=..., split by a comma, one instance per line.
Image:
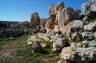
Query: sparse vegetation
x=91, y=20
x=21, y=53
x=4, y=41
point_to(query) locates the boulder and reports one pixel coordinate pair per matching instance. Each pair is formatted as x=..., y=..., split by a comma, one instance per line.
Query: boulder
x=36, y=47
x=87, y=54
x=87, y=50
x=86, y=44
x=68, y=55
x=92, y=43
x=89, y=9
x=83, y=44
x=58, y=44
x=58, y=41
x=74, y=29
x=34, y=43
x=90, y=27
x=43, y=36
x=77, y=55
x=87, y=35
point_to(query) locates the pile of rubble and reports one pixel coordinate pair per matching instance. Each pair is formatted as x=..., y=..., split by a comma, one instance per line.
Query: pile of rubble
x=64, y=26
x=78, y=53
x=56, y=39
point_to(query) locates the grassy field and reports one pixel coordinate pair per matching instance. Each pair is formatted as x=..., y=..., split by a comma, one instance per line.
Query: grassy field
x=15, y=50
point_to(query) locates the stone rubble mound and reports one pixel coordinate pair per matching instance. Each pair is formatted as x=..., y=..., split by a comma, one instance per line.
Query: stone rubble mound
x=64, y=26
x=82, y=52
x=56, y=39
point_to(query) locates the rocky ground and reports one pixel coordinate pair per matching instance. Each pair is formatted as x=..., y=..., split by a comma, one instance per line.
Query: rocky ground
x=71, y=33
x=16, y=51
x=67, y=36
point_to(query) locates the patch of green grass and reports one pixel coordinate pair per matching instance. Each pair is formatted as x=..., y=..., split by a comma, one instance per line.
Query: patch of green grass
x=4, y=41
x=22, y=49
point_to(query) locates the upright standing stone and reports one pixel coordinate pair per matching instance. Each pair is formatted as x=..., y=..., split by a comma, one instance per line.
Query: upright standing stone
x=35, y=20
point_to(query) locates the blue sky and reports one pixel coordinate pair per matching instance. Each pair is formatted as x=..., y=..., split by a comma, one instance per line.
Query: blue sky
x=20, y=10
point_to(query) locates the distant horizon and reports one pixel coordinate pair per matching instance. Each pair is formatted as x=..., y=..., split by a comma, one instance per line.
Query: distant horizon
x=21, y=10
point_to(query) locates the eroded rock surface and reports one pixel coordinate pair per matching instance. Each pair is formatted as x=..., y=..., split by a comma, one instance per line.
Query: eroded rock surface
x=68, y=55
x=55, y=38
x=34, y=43
x=35, y=21
x=65, y=23
x=77, y=55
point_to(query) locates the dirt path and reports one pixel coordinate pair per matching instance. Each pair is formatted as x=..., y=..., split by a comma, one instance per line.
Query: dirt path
x=11, y=47
x=8, y=49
